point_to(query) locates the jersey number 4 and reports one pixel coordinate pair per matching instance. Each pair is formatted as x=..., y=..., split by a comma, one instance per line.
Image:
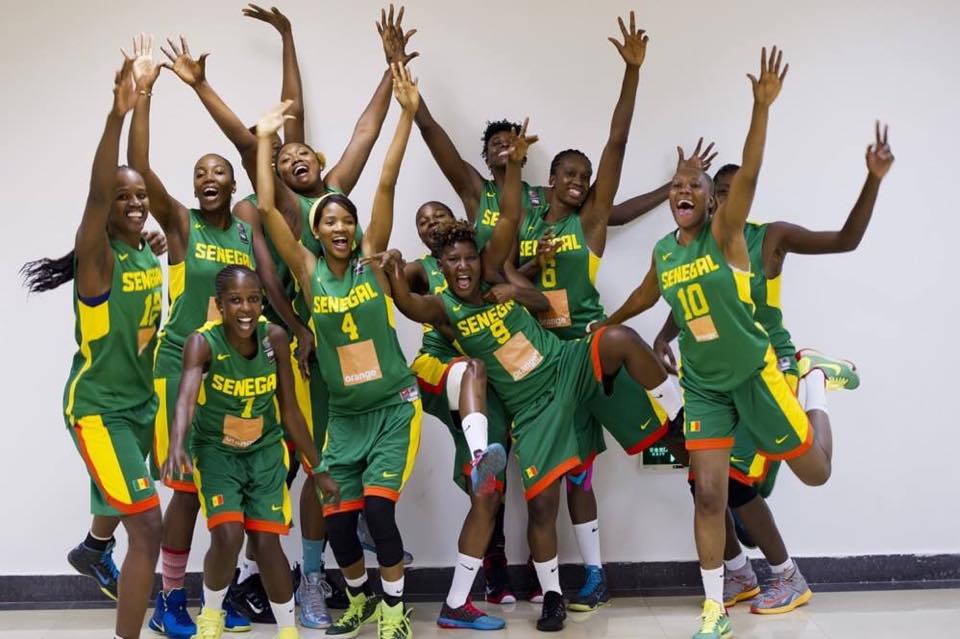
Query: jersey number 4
x=349, y=327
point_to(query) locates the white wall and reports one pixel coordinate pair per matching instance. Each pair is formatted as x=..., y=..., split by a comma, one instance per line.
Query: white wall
x=891, y=306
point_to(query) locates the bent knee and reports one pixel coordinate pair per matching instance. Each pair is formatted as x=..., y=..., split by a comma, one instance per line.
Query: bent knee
x=228, y=537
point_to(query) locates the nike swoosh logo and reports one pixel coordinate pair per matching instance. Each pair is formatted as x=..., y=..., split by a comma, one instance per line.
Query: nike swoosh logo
x=123, y=256
x=780, y=440
x=835, y=368
x=736, y=460
x=489, y=194
x=665, y=256
x=456, y=309
x=595, y=530
x=275, y=508
x=198, y=226
x=222, y=356
x=552, y=570
x=254, y=607
x=646, y=423
x=470, y=568
x=434, y=272
x=388, y=475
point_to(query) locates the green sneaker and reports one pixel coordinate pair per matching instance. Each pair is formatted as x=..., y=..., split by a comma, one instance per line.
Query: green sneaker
x=840, y=373
x=394, y=622
x=363, y=609
x=714, y=622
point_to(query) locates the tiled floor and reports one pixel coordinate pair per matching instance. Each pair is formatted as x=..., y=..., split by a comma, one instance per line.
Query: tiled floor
x=915, y=614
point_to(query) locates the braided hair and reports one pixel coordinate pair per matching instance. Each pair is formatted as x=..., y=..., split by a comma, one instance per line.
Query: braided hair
x=48, y=273
x=229, y=273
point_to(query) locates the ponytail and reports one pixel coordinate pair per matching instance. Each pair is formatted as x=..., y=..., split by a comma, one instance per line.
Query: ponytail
x=47, y=274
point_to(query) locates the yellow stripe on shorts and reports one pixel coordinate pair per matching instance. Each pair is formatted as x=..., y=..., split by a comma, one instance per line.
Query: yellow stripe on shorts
x=287, y=505
x=429, y=368
x=103, y=457
x=414, y=445
x=779, y=388
x=161, y=437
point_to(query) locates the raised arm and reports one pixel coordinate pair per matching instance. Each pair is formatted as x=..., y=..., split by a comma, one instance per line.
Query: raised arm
x=642, y=298
x=629, y=210
x=732, y=216
x=346, y=172
x=94, y=258
x=425, y=309
x=196, y=359
x=377, y=236
x=504, y=238
x=301, y=261
x=791, y=238
x=292, y=89
x=596, y=210
x=170, y=214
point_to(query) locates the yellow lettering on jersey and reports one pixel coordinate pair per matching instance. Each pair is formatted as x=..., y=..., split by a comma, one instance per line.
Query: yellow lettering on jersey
x=482, y=321
x=687, y=272
x=246, y=387
x=214, y=253
x=142, y=280
x=357, y=296
x=568, y=242
x=490, y=217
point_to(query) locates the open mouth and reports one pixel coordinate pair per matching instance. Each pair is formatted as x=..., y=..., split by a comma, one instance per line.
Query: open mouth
x=575, y=193
x=341, y=243
x=300, y=169
x=685, y=207
x=210, y=191
x=135, y=214
x=245, y=322
x=463, y=282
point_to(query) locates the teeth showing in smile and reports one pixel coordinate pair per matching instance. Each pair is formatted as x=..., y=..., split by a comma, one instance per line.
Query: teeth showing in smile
x=685, y=204
x=300, y=169
x=245, y=322
x=211, y=191
x=463, y=281
x=135, y=215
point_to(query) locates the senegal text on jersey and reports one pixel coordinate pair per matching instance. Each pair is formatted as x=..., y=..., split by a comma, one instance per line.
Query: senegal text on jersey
x=356, y=297
x=686, y=272
x=247, y=387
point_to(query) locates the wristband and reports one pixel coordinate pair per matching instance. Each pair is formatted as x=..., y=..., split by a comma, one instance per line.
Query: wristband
x=145, y=92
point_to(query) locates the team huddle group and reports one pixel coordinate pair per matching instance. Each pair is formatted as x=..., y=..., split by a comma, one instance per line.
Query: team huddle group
x=279, y=349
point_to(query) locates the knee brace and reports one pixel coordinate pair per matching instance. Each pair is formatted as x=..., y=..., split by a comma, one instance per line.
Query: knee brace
x=342, y=535
x=381, y=519
x=454, y=378
x=739, y=494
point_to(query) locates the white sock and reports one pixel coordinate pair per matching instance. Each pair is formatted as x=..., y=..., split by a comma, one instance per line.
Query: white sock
x=737, y=562
x=786, y=566
x=100, y=538
x=713, y=583
x=357, y=583
x=392, y=588
x=667, y=395
x=284, y=613
x=248, y=568
x=213, y=598
x=816, y=387
x=548, y=572
x=474, y=428
x=463, y=577
x=588, y=540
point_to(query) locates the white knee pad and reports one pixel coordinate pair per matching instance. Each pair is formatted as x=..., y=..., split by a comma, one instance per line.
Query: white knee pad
x=454, y=378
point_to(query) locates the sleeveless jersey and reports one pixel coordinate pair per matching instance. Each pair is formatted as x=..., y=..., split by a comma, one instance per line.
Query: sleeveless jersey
x=113, y=366
x=237, y=409
x=766, y=294
x=192, y=290
x=533, y=198
x=357, y=348
x=569, y=279
x=720, y=343
x=521, y=357
x=433, y=342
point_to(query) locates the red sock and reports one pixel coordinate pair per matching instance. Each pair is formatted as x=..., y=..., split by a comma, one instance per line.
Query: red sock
x=174, y=567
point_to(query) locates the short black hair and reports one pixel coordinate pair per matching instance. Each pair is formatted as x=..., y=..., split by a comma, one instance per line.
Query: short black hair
x=499, y=126
x=559, y=157
x=724, y=170
x=460, y=231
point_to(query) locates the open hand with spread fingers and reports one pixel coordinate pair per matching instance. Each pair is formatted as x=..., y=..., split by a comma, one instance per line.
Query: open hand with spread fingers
x=394, y=39
x=191, y=71
x=767, y=88
x=633, y=50
x=272, y=17
x=405, y=87
x=271, y=121
x=699, y=159
x=145, y=68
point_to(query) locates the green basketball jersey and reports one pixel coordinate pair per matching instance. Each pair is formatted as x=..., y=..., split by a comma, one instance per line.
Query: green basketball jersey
x=720, y=343
x=192, y=290
x=357, y=347
x=569, y=279
x=433, y=342
x=113, y=367
x=521, y=357
x=237, y=409
x=766, y=294
x=533, y=198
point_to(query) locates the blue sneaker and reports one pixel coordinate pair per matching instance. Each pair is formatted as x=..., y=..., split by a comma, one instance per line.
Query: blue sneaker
x=468, y=616
x=593, y=594
x=98, y=566
x=170, y=616
x=233, y=621
x=486, y=465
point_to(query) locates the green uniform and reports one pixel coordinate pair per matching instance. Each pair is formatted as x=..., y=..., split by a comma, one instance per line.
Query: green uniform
x=239, y=458
x=431, y=366
x=729, y=372
x=569, y=283
x=373, y=431
x=540, y=379
x=192, y=303
x=532, y=198
x=108, y=400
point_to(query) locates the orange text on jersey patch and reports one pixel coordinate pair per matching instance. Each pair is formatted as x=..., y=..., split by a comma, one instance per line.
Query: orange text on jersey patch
x=489, y=217
x=356, y=297
x=686, y=272
x=482, y=321
x=569, y=242
x=246, y=387
x=142, y=280
x=214, y=253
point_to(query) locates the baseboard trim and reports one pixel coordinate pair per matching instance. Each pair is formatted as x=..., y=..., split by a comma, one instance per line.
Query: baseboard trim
x=625, y=579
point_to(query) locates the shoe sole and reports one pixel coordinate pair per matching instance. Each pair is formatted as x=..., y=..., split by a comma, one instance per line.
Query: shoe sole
x=306, y=624
x=793, y=605
x=503, y=601
x=238, y=629
x=742, y=596
x=100, y=586
x=486, y=471
x=579, y=607
x=350, y=635
x=446, y=622
x=541, y=629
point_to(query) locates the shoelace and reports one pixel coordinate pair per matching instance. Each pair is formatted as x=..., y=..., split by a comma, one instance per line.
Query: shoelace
x=354, y=613
x=711, y=617
x=553, y=606
x=777, y=587
x=312, y=595
x=390, y=626
x=106, y=561
x=207, y=628
x=326, y=588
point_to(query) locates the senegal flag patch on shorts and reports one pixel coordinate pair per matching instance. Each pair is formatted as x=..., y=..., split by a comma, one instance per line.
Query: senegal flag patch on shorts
x=216, y=500
x=141, y=484
x=694, y=426
x=530, y=472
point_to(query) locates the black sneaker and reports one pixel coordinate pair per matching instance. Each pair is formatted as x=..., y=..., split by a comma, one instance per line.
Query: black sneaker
x=553, y=613
x=250, y=599
x=337, y=599
x=98, y=566
x=497, y=588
